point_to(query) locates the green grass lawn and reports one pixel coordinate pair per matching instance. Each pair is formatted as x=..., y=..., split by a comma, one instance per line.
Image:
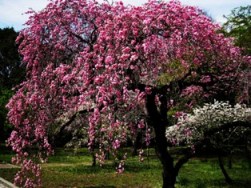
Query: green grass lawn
x=69, y=169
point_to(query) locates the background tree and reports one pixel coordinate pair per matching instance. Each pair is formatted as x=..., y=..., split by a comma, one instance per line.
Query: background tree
x=11, y=74
x=123, y=67
x=11, y=71
x=238, y=25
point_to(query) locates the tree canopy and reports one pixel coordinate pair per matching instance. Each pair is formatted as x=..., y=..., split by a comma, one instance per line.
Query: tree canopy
x=122, y=67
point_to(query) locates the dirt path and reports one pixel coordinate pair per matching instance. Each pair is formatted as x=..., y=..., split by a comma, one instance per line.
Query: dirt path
x=5, y=184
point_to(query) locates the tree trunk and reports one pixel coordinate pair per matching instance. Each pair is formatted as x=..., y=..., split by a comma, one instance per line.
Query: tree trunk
x=223, y=170
x=158, y=120
x=168, y=174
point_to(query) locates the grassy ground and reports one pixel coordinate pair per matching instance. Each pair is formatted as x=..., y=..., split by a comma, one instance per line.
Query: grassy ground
x=69, y=169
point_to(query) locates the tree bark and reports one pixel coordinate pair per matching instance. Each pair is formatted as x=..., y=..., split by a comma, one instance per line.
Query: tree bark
x=158, y=121
x=168, y=174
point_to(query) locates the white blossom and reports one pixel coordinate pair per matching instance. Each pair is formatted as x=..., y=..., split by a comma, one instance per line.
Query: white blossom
x=191, y=128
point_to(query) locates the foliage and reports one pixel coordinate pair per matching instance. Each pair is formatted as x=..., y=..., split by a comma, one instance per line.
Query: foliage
x=238, y=25
x=11, y=74
x=206, y=121
x=11, y=71
x=5, y=128
x=106, y=62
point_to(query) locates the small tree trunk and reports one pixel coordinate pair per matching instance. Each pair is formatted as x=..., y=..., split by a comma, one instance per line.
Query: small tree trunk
x=137, y=143
x=93, y=159
x=93, y=156
x=107, y=155
x=223, y=170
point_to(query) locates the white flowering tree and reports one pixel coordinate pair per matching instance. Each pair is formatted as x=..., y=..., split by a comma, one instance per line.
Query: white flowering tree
x=214, y=124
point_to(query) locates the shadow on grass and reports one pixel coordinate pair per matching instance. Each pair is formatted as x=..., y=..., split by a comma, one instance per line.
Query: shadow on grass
x=202, y=183
x=130, y=167
x=241, y=183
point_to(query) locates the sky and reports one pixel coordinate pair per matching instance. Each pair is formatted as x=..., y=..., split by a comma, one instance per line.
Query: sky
x=12, y=11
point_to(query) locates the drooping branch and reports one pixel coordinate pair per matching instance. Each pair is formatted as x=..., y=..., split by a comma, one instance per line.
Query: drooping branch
x=73, y=117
